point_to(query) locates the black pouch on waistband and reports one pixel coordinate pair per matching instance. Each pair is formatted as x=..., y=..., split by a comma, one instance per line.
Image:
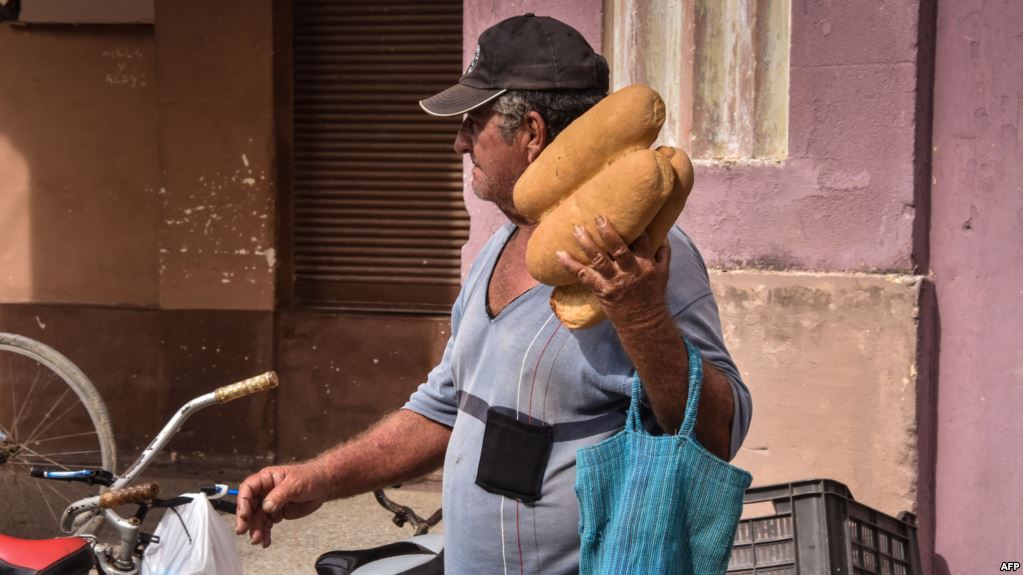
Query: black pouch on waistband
x=514, y=457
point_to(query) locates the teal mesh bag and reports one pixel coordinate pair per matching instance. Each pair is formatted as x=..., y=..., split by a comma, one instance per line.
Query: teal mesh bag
x=657, y=504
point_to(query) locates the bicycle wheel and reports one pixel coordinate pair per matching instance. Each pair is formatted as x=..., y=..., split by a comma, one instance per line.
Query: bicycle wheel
x=50, y=415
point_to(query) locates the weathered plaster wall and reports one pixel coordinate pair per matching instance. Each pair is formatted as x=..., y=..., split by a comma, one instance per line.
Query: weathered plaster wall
x=844, y=198
x=139, y=170
x=217, y=240
x=338, y=380
x=977, y=262
x=136, y=212
x=78, y=165
x=831, y=362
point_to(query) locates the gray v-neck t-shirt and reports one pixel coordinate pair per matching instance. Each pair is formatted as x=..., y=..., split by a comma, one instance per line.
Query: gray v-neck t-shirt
x=524, y=363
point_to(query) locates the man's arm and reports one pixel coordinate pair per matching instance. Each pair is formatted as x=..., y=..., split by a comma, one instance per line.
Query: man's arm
x=630, y=284
x=655, y=346
x=402, y=446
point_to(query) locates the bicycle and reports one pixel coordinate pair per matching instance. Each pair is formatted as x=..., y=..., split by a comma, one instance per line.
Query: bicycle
x=54, y=426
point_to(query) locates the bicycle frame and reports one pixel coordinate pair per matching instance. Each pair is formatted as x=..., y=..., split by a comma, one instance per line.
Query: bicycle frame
x=122, y=560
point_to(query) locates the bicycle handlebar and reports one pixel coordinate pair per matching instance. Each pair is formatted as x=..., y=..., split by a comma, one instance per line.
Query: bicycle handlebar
x=136, y=494
x=245, y=387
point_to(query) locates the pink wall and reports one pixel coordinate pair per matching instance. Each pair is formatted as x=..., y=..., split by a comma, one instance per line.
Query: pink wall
x=977, y=261
x=844, y=199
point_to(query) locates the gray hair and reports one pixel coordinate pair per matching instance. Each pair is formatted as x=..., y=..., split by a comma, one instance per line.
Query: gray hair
x=557, y=108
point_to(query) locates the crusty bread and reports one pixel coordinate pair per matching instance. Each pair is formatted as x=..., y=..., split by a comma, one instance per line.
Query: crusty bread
x=673, y=207
x=601, y=164
x=576, y=306
x=629, y=193
x=627, y=119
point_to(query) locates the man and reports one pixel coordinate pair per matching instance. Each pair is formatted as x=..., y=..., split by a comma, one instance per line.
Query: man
x=516, y=394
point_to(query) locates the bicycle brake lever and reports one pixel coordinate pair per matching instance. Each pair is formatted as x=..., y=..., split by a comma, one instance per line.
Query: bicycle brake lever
x=89, y=476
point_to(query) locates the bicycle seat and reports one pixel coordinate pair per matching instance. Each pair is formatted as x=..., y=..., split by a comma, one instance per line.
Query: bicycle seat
x=60, y=556
x=400, y=558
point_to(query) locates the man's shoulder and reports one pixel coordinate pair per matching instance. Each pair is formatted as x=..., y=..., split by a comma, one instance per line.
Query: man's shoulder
x=684, y=251
x=689, y=280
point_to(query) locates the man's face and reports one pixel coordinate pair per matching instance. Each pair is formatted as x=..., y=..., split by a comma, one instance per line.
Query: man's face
x=496, y=162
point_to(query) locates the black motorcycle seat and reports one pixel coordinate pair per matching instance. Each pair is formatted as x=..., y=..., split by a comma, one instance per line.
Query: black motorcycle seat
x=345, y=562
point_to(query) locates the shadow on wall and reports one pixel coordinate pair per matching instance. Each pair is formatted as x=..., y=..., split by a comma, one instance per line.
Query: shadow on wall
x=15, y=225
x=78, y=210
x=79, y=164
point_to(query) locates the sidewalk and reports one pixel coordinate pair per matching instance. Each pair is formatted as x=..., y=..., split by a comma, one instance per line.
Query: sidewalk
x=353, y=523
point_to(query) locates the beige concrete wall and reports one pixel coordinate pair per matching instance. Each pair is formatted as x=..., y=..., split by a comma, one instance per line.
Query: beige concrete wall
x=830, y=360
x=137, y=163
x=217, y=236
x=78, y=165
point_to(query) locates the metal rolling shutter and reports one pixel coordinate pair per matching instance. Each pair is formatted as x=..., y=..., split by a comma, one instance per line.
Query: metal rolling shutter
x=378, y=213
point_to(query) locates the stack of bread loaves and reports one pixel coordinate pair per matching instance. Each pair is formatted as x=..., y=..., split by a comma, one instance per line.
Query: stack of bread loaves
x=601, y=164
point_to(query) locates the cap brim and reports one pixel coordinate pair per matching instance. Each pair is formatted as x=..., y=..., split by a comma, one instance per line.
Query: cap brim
x=458, y=99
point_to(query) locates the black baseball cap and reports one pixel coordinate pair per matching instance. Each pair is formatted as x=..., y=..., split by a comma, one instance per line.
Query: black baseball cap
x=525, y=52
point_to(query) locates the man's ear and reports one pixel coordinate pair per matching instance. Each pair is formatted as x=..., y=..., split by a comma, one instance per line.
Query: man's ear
x=536, y=130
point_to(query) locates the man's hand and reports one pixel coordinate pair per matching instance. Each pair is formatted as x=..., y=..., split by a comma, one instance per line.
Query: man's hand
x=629, y=282
x=277, y=493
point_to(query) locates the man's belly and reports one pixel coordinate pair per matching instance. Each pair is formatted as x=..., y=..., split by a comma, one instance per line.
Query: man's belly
x=487, y=533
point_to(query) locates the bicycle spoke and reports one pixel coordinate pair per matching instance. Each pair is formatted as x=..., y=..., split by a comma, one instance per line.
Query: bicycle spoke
x=55, y=438
x=50, y=412
x=55, y=419
x=59, y=494
x=28, y=399
x=14, y=397
x=5, y=432
x=34, y=454
x=68, y=453
x=47, y=501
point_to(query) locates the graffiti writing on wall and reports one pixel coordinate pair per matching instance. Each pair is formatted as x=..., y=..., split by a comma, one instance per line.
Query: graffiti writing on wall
x=126, y=67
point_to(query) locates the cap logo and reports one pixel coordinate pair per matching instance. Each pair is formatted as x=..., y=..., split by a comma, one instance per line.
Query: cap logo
x=475, y=59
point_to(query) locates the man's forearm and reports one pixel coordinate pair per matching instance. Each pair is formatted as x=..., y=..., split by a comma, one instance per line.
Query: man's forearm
x=403, y=446
x=656, y=349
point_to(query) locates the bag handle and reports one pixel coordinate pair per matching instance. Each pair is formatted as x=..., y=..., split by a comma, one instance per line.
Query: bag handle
x=632, y=420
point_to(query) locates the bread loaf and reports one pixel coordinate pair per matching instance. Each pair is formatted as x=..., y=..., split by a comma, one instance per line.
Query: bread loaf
x=601, y=164
x=673, y=207
x=629, y=193
x=576, y=306
x=628, y=119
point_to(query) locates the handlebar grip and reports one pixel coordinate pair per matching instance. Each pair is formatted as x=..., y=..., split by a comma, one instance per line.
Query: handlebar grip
x=136, y=494
x=249, y=386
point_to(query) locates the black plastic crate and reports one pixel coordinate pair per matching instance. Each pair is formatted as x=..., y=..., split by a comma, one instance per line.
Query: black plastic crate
x=817, y=528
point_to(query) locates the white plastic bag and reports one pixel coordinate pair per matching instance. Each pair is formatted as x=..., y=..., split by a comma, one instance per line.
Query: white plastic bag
x=199, y=543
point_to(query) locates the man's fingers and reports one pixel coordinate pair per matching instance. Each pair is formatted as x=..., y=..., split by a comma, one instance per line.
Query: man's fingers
x=241, y=515
x=266, y=534
x=596, y=254
x=643, y=247
x=260, y=533
x=277, y=498
x=585, y=274
x=249, y=502
x=620, y=252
